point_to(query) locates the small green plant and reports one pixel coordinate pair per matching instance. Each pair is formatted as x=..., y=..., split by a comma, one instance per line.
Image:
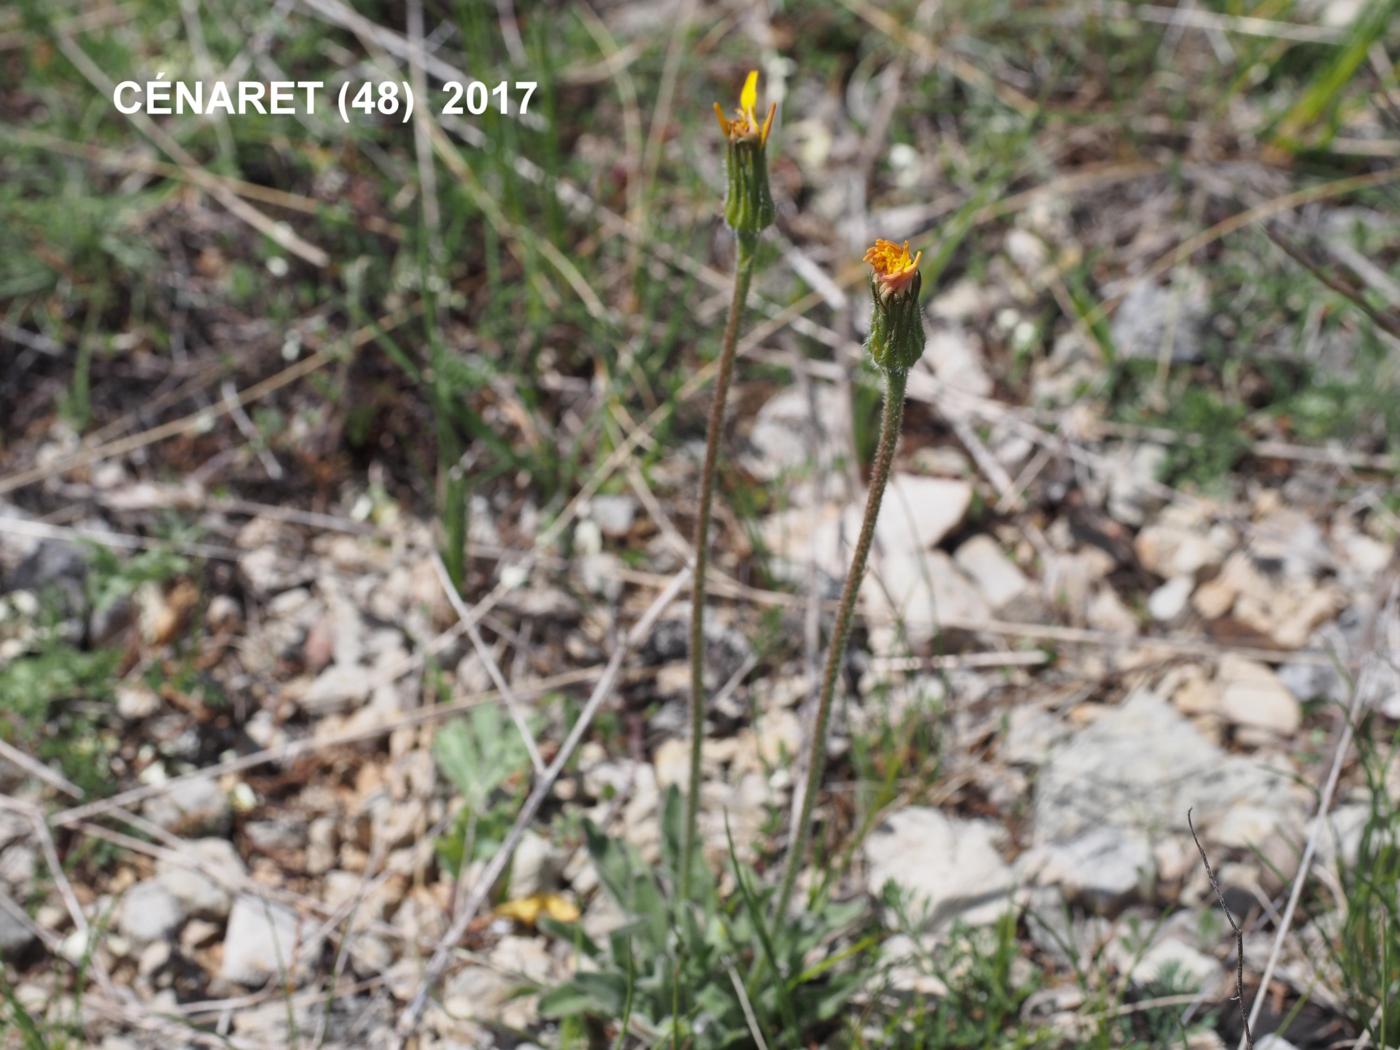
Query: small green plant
x=485, y=758
x=51, y=705
x=112, y=576
x=672, y=972
x=984, y=998
x=1367, y=946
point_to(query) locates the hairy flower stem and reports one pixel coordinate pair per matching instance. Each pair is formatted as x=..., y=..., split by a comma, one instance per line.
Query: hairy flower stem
x=801, y=830
x=743, y=275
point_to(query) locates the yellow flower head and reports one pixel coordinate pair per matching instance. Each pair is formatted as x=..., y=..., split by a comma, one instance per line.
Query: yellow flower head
x=745, y=125
x=896, y=340
x=894, y=267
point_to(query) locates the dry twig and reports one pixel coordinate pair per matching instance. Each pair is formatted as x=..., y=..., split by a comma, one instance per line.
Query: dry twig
x=1239, y=933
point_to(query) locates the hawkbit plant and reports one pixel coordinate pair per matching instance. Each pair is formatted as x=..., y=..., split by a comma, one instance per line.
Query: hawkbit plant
x=748, y=210
x=895, y=344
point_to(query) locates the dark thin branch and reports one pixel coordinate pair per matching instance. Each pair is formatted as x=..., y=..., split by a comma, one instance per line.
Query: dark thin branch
x=1239, y=933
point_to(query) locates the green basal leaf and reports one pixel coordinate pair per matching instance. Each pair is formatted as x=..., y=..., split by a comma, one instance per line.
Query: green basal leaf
x=601, y=994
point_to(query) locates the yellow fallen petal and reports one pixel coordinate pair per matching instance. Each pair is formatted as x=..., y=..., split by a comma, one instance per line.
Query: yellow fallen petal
x=527, y=910
x=748, y=98
x=560, y=909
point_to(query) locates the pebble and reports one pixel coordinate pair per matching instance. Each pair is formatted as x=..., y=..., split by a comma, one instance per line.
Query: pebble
x=337, y=689
x=1133, y=489
x=923, y=591
x=154, y=958
x=782, y=440
x=957, y=360
x=613, y=515
x=1106, y=612
x=1181, y=541
x=1140, y=766
x=281, y=834
x=197, y=804
x=1189, y=968
x=320, y=845
x=1102, y=867
x=476, y=993
x=1170, y=600
x=917, y=513
x=206, y=890
x=18, y=864
x=995, y=575
x=672, y=762
x=1252, y=695
x=535, y=866
x=262, y=941
x=15, y=936
x=1196, y=694
x=135, y=702
x=1030, y=734
x=149, y=912
x=1155, y=317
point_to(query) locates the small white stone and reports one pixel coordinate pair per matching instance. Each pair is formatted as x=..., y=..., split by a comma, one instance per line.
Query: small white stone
x=153, y=958
x=535, y=866
x=262, y=941
x=1171, y=956
x=996, y=575
x=195, y=804
x=957, y=361
x=796, y=426
x=1252, y=695
x=1103, y=865
x=149, y=912
x=1170, y=600
x=336, y=689
x=206, y=886
x=1197, y=694
x=1106, y=612
x=614, y=514
x=135, y=702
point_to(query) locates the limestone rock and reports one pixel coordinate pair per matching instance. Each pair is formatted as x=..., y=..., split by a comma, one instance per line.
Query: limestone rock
x=1140, y=766
x=1102, y=867
x=949, y=867
x=917, y=513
